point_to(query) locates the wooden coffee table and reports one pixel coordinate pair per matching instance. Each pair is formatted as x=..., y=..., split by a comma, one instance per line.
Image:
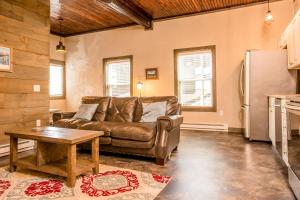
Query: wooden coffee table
x=56, y=151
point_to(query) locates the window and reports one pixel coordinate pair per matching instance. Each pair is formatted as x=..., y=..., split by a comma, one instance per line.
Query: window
x=195, y=78
x=57, y=79
x=118, y=76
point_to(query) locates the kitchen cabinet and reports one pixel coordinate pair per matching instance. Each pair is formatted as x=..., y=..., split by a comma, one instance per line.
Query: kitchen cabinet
x=278, y=123
x=291, y=46
x=286, y=143
x=272, y=120
x=292, y=140
x=291, y=37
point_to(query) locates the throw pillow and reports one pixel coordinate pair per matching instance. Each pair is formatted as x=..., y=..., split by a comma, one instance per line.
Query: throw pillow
x=151, y=111
x=86, y=111
x=103, y=102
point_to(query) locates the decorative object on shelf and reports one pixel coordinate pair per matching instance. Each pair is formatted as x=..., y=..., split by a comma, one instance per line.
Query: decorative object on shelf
x=269, y=16
x=38, y=126
x=5, y=59
x=60, y=47
x=139, y=87
x=152, y=73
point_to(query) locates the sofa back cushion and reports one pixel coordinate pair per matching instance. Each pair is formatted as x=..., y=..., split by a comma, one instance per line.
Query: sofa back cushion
x=101, y=111
x=121, y=109
x=172, y=105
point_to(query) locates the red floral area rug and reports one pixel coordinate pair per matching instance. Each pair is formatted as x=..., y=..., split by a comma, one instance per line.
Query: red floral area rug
x=110, y=183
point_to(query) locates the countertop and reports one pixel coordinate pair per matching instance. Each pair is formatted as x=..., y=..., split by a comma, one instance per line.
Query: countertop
x=283, y=96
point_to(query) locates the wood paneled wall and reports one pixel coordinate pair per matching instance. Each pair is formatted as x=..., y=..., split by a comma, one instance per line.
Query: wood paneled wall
x=25, y=27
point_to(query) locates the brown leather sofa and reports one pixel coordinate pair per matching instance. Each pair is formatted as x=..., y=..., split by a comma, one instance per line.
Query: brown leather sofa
x=119, y=118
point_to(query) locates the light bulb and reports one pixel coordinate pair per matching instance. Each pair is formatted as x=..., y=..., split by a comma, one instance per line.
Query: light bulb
x=139, y=85
x=269, y=17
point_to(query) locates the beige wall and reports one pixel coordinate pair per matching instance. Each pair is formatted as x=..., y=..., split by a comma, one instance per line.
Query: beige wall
x=233, y=32
x=57, y=103
x=25, y=28
x=297, y=5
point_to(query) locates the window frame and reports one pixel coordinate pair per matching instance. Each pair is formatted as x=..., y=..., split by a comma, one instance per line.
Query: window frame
x=106, y=60
x=211, y=48
x=62, y=63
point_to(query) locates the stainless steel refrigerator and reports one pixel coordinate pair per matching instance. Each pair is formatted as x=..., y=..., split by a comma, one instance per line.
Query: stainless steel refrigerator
x=263, y=73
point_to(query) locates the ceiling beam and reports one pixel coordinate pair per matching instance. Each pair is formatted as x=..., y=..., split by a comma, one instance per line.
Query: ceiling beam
x=131, y=11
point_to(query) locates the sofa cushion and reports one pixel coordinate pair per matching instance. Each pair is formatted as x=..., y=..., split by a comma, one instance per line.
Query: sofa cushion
x=133, y=144
x=121, y=109
x=100, y=126
x=103, y=102
x=70, y=123
x=95, y=126
x=135, y=131
x=172, y=105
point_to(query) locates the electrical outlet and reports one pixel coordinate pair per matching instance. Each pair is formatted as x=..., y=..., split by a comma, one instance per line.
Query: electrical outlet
x=221, y=112
x=36, y=88
x=38, y=123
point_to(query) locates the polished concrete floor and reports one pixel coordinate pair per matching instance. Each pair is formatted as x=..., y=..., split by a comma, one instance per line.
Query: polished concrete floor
x=215, y=166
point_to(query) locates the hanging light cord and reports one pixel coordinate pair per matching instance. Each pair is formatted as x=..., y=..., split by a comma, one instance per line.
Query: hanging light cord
x=60, y=29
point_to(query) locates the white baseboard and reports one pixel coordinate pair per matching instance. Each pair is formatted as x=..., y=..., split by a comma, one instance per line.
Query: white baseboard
x=204, y=127
x=23, y=145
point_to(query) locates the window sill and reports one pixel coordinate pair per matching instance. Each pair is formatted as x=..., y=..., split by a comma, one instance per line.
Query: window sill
x=198, y=109
x=57, y=98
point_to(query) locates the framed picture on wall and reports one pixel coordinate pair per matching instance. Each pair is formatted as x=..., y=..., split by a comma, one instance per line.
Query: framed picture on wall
x=152, y=73
x=5, y=59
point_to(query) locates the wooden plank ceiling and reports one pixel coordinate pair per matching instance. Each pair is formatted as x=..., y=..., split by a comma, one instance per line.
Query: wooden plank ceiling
x=82, y=16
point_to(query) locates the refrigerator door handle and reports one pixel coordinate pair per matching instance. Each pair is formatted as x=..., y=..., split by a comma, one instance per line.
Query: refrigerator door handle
x=244, y=106
x=241, y=80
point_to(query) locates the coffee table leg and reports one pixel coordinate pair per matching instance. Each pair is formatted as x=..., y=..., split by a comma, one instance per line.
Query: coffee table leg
x=13, y=153
x=95, y=154
x=71, y=166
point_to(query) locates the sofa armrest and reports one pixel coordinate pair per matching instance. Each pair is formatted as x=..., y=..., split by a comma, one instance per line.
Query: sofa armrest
x=179, y=112
x=62, y=115
x=171, y=121
x=168, y=136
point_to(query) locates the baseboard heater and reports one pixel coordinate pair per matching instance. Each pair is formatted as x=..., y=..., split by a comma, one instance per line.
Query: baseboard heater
x=23, y=145
x=204, y=127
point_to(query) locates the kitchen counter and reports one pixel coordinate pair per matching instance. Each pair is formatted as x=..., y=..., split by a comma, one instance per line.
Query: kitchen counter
x=283, y=96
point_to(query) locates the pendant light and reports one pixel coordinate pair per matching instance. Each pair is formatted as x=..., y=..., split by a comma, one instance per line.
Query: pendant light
x=60, y=47
x=269, y=16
